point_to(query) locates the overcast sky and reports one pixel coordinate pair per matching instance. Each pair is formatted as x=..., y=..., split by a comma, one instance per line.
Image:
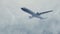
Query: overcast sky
x=14, y=21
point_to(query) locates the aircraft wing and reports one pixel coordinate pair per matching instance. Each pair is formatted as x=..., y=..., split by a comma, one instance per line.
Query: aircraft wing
x=44, y=12
x=27, y=10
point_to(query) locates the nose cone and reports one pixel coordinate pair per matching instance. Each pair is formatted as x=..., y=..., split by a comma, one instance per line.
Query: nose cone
x=24, y=9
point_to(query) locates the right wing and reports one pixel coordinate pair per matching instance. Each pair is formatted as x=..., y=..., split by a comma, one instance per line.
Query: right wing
x=44, y=12
x=27, y=10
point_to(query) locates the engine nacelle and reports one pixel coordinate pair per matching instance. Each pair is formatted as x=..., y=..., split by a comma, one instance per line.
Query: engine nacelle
x=30, y=17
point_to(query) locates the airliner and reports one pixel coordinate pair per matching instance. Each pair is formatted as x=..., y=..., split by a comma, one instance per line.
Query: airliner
x=37, y=15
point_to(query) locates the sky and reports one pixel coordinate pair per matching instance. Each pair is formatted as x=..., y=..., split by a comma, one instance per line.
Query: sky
x=14, y=21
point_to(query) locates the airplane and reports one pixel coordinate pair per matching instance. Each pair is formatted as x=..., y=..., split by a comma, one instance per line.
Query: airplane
x=37, y=15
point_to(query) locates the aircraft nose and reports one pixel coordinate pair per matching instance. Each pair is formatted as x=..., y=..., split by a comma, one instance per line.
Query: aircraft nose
x=23, y=9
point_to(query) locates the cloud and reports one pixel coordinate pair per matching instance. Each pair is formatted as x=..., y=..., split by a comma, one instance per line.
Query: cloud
x=14, y=21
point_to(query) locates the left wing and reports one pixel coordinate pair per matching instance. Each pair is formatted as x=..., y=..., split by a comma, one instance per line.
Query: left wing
x=44, y=12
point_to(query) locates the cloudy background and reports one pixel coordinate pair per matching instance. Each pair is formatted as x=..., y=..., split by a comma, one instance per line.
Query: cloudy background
x=14, y=21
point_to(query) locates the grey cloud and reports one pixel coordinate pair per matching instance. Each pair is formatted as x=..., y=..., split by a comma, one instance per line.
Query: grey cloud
x=14, y=21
